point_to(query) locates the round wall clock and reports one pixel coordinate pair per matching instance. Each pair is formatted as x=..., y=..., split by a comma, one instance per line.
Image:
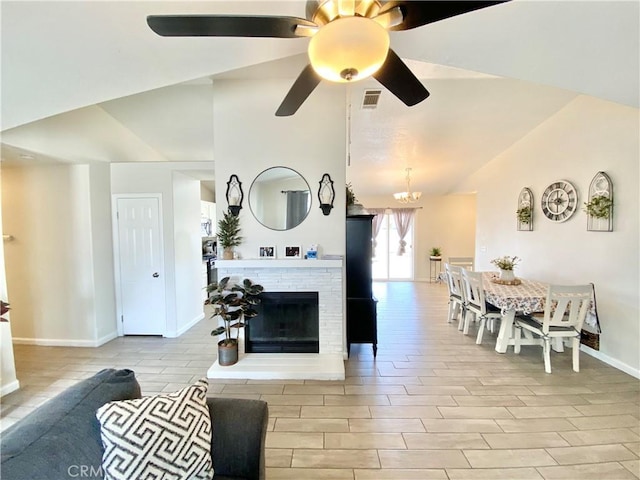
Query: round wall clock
x=559, y=201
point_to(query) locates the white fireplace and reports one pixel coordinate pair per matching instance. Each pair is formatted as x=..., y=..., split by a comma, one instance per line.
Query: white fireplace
x=291, y=275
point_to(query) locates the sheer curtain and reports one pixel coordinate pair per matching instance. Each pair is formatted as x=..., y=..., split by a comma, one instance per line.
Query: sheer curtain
x=403, y=218
x=376, y=224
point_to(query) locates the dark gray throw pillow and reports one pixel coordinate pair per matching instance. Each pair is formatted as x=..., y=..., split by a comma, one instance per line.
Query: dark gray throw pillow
x=61, y=439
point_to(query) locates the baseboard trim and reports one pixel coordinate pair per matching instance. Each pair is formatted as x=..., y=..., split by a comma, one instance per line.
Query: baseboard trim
x=9, y=387
x=64, y=342
x=107, y=338
x=634, y=372
x=185, y=327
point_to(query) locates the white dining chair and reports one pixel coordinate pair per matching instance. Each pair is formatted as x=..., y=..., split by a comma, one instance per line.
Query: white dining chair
x=565, y=310
x=456, y=294
x=476, y=304
x=464, y=262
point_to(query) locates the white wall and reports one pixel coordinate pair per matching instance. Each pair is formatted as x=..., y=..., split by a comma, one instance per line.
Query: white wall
x=249, y=138
x=448, y=222
x=206, y=194
x=58, y=273
x=102, y=247
x=8, y=379
x=187, y=252
x=159, y=178
x=587, y=136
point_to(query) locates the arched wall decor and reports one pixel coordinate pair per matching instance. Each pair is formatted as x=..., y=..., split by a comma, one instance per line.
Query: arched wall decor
x=599, y=207
x=524, y=213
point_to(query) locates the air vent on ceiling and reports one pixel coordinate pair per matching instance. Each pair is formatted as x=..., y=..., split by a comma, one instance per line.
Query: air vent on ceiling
x=371, y=98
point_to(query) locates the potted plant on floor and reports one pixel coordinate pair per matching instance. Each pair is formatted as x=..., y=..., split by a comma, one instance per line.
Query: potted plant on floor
x=229, y=234
x=234, y=305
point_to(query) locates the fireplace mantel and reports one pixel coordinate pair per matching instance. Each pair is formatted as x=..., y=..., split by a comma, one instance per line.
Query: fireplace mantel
x=278, y=263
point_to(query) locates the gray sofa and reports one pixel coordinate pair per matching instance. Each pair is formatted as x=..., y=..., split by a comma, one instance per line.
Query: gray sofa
x=61, y=439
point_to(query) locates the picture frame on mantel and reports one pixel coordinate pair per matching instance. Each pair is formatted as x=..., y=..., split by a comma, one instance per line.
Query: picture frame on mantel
x=292, y=251
x=267, y=251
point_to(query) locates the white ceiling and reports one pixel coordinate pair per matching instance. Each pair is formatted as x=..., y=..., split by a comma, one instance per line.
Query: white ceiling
x=89, y=82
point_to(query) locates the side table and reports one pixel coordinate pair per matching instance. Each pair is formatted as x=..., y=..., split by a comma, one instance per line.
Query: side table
x=435, y=267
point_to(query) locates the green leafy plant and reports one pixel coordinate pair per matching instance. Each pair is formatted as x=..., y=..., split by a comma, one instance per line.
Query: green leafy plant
x=234, y=304
x=435, y=252
x=351, y=196
x=599, y=206
x=524, y=214
x=229, y=231
x=506, y=262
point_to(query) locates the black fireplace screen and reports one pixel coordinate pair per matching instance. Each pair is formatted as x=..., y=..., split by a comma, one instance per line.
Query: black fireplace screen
x=287, y=322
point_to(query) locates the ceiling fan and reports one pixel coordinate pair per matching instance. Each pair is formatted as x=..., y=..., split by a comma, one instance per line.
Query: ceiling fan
x=349, y=40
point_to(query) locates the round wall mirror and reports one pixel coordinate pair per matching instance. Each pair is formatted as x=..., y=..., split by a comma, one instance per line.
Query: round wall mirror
x=280, y=198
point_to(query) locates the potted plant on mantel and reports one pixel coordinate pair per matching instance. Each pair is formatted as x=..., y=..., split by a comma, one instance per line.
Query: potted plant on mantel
x=229, y=234
x=234, y=305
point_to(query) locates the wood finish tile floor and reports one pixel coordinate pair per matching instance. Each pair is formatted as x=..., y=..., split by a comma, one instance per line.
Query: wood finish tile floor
x=432, y=405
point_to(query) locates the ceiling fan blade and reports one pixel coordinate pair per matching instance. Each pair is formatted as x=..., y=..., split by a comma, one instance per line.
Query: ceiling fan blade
x=416, y=14
x=306, y=82
x=399, y=80
x=225, y=26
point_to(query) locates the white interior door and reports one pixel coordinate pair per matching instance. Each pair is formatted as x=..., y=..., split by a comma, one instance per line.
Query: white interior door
x=140, y=266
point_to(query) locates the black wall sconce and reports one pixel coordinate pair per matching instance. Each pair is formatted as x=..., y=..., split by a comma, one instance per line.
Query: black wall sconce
x=326, y=194
x=234, y=195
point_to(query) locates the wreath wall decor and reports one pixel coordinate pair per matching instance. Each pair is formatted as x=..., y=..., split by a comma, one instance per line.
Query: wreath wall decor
x=599, y=207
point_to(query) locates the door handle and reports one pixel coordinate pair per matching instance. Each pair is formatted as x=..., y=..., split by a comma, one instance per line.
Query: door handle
x=155, y=275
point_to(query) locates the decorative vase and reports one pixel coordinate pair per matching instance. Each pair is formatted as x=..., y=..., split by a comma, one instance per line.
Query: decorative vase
x=227, y=354
x=227, y=253
x=507, y=275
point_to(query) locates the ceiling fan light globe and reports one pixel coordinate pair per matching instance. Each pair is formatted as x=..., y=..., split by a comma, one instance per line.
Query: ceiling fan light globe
x=348, y=49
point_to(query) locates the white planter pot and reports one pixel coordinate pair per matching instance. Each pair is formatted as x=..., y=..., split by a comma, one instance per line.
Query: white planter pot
x=507, y=275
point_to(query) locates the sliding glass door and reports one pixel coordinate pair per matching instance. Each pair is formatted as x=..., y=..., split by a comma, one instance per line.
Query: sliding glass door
x=387, y=264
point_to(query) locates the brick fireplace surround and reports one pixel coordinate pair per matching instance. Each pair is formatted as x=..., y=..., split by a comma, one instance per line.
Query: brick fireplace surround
x=289, y=275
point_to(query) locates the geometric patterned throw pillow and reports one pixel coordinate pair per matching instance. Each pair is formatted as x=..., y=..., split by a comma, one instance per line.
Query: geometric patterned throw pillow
x=167, y=436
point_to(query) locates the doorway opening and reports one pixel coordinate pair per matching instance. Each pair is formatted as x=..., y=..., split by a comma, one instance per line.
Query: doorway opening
x=386, y=263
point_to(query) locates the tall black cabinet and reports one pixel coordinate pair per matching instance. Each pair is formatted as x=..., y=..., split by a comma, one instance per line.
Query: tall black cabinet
x=361, y=304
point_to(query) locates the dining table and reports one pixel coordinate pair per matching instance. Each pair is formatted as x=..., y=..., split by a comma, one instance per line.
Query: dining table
x=520, y=297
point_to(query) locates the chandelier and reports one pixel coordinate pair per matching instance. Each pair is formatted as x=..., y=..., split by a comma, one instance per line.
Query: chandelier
x=408, y=196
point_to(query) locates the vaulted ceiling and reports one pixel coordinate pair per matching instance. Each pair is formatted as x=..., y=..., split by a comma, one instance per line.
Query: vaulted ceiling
x=89, y=81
